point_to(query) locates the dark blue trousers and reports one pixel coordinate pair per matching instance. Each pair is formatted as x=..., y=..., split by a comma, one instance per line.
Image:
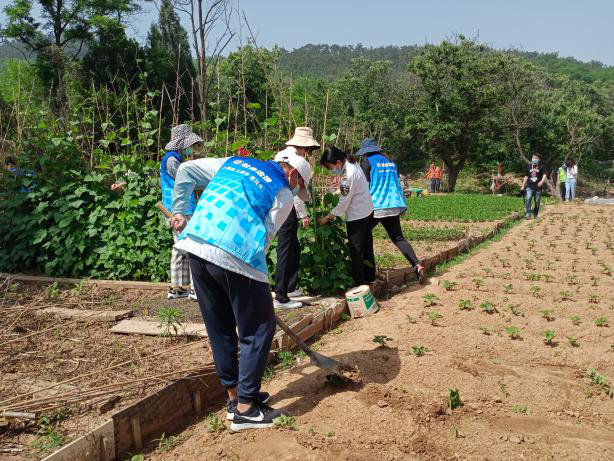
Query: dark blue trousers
x=229, y=300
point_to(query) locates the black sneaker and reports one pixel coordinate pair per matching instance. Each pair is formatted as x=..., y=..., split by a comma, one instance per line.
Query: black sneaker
x=231, y=405
x=175, y=293
x=259, y=416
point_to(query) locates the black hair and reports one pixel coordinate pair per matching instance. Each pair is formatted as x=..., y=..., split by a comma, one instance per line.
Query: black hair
x=332, y=155
x=10, y=161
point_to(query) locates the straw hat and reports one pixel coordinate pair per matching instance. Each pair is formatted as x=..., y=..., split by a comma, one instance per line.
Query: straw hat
x=182, y=138
x=303, y=137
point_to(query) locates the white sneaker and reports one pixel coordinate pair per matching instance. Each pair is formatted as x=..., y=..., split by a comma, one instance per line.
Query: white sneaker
x=289, y=305
x=192, y=296
x=296, y=294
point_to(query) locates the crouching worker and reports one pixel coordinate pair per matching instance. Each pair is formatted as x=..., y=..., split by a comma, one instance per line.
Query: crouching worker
x=355, y=204
x=388, y=200
x=237, y=217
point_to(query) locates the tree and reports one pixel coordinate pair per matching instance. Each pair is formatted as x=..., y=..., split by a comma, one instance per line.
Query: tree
x=71, y=22
x=169, y=62
x=456, y=100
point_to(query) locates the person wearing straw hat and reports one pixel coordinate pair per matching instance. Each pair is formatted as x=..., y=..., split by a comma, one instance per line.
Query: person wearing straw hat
x=288, y=249
x=388, y=199
x=244, y=205
x=180, y=146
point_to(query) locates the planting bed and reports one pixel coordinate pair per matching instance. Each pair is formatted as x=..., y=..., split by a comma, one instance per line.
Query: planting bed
x=38, y=351
x=520, y=397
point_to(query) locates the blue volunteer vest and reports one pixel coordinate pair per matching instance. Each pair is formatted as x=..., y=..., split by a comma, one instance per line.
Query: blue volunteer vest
x=168, y=183
x=231, y=211
x=385, y=186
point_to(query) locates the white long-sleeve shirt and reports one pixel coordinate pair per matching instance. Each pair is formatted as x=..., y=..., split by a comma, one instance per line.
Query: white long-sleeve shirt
x=356, y=203
x=199, y=173
x=572, y=173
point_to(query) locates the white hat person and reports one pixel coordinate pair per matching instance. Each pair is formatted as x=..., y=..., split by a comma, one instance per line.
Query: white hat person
x=182, y=137
x=302, y=166
x=303, y=137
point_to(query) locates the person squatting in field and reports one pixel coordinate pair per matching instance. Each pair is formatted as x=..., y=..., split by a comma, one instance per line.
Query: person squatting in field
x=239, y=213
x=388, y=199
x=180, y=146
x=288, y=249
x=532, y=186
x=356, y=205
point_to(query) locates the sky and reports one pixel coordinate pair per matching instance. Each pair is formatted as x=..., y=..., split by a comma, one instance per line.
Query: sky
x=578, y=28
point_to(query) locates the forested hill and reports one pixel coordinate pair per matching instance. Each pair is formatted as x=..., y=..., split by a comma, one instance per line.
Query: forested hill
x=330, y=61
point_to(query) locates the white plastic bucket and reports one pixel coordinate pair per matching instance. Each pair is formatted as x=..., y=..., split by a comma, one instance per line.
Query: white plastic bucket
x=361, y=301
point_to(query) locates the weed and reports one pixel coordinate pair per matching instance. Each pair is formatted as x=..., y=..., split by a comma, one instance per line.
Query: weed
x=419, y=351
x=49, y=434
x=488, y=271
x=594, y=281
x=214, y=423
x=13, y=287
x=548, y=278
x=381, y=340
x=411, y=319
x=285, y=360
x=433, y=317
x=449, y=285
x=514, y=309
x=508, y=289
x=573, y=341
x=607, y=270
x=53, y=291
x=601, y=321
x=576, y=320
x=485, y=330
x=330, y=434
x=478, y=282
x=312, y=431
x=137, y=457
x=505, y=262
x=503, y=388
x=345, y=317
x=170, y=321
x=78, y=288
x=513, y=332
x=488, y=307
x=536, y=291
x=465, y=304
x=548, y=314
x=166, y=444
x=286, y=422
x=429, y=299
x=571, y=280
x=565, y=295
x=601, y=382
x=549, y=337
x=454, y=400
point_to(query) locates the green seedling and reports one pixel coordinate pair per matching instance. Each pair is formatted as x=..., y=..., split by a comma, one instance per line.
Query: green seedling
x=286, y=422
x=536, y=291
x=566, y=295
x=505, y=262
x=411, y=319
x=548, y=278
x=601, y=382
x=449, y=285
x=381, y=340
x=573, y=341
x=478, y=282
x=488, y=271
x=345, y=317
x=594, y=281
x=485, y=330
x=330, y=434
x=170, y=321
x=576, y=320
x=508, y=289
x=53, y=291
x=465, y=304
x=454, y=400
x=13, y=287
x=572, y=280
x=548, y=314
x=607, y=270
x=601, y=321
x=78, y=288
x=513, y=332
x=488, y=307
x=503, y=388
x=285, y=360
x=549, y=337
x=167, y=443
x=433, y=316
x=214, y=423
x=429, y=299
x=514, y=309
x=593, y=299
x=520, y=409
x=419, y=351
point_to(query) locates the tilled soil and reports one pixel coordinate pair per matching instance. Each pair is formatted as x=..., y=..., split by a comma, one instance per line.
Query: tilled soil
x=521, y=398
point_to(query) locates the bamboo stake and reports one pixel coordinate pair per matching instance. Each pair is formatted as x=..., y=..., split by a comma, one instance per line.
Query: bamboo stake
x=325, y=117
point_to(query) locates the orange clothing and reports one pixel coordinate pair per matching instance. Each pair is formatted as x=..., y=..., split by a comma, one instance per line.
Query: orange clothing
x=430, y=173
x=438, y=173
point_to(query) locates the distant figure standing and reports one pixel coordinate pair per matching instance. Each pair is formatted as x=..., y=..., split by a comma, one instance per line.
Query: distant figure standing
x=438, y=174
x=562, y=180
x=431, y=176
x=570, y=182
x=532, y=186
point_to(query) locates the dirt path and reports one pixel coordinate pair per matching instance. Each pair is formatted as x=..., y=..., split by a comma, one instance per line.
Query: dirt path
x=521, y=398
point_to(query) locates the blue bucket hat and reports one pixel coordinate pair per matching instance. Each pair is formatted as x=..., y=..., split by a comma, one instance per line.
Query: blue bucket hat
x=368, y=146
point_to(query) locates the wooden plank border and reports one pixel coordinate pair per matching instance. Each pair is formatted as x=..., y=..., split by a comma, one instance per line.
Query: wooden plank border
x=87, y=282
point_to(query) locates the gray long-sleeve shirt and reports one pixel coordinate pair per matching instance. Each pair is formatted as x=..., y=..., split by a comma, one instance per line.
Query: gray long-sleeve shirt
x=198, y=173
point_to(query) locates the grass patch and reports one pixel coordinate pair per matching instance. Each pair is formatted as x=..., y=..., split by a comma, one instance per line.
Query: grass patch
x=430, y=233
x=462, y=207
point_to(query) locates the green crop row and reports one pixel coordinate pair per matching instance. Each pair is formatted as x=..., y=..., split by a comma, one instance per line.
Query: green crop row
x=431, y=234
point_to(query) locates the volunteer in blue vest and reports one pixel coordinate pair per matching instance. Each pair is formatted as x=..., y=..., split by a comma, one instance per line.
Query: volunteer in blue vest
x=355, y=205
x=237, y=217
x=288, y=248
x=180, y=146
x=388, y=199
